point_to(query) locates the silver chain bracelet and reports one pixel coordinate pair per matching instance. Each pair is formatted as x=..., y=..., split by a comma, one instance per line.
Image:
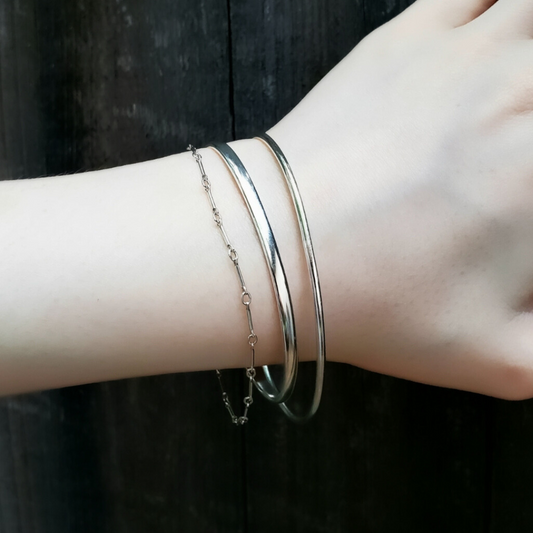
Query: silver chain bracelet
x=246, y=300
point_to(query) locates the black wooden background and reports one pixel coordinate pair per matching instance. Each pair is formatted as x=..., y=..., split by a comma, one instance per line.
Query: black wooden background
x=88, y=84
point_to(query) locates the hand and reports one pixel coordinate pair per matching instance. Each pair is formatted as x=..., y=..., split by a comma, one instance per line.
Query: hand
x=414, y=157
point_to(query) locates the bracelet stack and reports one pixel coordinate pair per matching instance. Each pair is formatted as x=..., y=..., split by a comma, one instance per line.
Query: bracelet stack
x=278, y=394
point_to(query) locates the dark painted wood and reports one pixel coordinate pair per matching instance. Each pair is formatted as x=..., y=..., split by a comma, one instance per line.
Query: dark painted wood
x=170, y=460
x=512, y=463
x=382, y=455
x=49, y=467
x=86, y=85
x=282, y=49
x=381, y=11
x=21, y=135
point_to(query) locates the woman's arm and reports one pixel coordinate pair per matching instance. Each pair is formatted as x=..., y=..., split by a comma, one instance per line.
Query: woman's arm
x=122, y=272
x=414, y=161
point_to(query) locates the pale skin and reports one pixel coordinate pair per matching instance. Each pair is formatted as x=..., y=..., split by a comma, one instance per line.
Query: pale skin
x=414, y=160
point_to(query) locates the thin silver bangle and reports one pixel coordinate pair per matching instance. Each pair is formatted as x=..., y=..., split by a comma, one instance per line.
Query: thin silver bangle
x=268, y=388
x=313, y=274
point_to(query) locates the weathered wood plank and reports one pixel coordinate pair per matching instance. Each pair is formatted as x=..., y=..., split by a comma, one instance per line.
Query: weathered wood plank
x=381, y=11
x=282, y=49
x=21, y=135
x=511, y=490
x=49, y=472
x=170, y=459
x=382, y=455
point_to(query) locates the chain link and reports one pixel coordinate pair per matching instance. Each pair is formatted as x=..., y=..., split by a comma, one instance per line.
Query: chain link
x=246, y=300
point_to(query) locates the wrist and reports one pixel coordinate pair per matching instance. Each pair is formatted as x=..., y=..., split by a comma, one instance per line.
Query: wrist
x=328, y=198
x=275, y=197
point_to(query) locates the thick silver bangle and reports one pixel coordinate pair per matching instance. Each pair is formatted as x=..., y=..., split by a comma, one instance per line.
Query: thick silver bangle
x=267, y=387
x=313, y=274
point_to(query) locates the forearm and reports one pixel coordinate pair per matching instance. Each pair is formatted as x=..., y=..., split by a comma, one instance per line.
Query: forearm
x=122, y=272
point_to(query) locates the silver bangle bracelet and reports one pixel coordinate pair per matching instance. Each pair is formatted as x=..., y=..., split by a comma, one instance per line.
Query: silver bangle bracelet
x=313, y=274
x=267, y=387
